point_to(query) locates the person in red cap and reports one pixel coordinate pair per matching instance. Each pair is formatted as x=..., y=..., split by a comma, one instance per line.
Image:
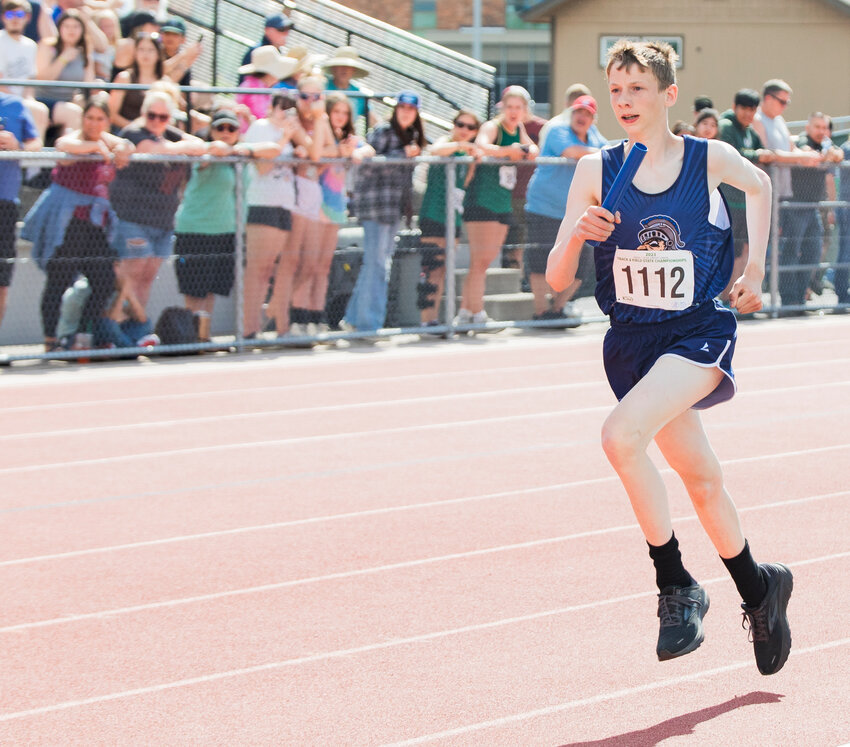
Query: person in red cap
x=571, y=134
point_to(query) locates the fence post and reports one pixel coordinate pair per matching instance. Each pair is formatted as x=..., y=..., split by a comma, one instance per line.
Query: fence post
x=239, y=249
x=451, y=247
x=774, y=243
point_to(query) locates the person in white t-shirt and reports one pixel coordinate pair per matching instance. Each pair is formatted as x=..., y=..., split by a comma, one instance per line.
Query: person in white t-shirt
x=271, y=197
x=17, y=58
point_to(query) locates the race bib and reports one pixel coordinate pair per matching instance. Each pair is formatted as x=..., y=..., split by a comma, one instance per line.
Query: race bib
x=654, y=280
x=507, y=177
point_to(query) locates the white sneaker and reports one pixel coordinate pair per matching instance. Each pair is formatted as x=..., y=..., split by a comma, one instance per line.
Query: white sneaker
x=464, y=316
x=480, y=317
x=148, y=341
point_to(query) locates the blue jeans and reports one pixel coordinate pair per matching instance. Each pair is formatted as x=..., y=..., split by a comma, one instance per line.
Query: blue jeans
x=367, y=308
x=123, y=335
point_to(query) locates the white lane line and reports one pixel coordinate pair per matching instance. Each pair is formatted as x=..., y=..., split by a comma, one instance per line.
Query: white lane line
x=425, y=505
x=320, y=437
x=603, y=697
x=331, y=655
x=348, y=382
x=500, y=393
x=356, y=382
x=370, y=571
x=349, y=406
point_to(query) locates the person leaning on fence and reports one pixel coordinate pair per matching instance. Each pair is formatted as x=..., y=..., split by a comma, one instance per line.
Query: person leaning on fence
x=70, y=223
x=304, y=267
x=145, y=195
x=346, y=144
x=206, y=221
x=271, y=197
x=487, y=206
x=460, y=141
x=573, y=138
x=381, y=198
x=18, y=132
x=735, y=128
x=805, y=240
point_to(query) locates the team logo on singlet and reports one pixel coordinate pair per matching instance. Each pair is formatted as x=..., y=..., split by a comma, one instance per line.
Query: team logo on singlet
x=659, y=233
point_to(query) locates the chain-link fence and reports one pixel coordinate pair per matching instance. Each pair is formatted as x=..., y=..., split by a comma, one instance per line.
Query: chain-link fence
x=175, y=254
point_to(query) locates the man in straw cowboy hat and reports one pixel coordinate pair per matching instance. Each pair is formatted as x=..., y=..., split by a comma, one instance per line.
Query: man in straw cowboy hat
x=266, y=68
x=341, y=70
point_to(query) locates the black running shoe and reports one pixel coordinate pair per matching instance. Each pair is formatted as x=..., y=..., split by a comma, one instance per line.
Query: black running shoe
x=768, y=623
x=681, y=609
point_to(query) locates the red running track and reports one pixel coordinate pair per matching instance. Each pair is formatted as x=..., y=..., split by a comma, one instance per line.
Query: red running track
x=404, y=544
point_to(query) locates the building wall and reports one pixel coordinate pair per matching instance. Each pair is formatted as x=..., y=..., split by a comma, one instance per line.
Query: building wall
x=398, y=14
x=728, y=45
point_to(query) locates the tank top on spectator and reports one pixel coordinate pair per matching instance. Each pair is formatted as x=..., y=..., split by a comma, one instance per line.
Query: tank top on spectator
x=17, y=60
x=808, y=184
x=777, y=138
x=492, y=186
x=209, y=201
x=74, y=71
x=87, y=177
x=678, y=243
x=434, y=199
x=277, y=187
x=148, y=193
x=131, y=105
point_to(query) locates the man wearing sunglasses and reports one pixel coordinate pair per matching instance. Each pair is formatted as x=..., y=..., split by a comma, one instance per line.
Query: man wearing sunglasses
x=769, y=124
x=17, y=58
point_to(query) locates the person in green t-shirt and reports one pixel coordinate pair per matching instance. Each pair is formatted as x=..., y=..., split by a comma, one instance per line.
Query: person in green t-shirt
x=432, y=215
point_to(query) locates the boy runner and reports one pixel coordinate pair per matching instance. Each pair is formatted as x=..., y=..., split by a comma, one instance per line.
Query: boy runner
x=669, y=350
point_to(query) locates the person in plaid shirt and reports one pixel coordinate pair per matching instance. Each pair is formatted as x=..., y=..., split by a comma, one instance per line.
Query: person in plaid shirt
x=380, y=198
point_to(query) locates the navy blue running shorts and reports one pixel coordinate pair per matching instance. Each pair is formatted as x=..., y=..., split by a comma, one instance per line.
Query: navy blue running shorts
x=705, y=337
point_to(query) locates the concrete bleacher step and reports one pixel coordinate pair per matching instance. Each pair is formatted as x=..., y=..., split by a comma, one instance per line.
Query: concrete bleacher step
x=499, y=280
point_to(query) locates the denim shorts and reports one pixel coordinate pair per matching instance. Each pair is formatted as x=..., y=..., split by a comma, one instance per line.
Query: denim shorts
x=135, y=241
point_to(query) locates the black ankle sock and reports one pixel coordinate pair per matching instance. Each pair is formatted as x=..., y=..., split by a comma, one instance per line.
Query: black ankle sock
x=315, y=316
x=299, y=316
x=669, y=570
x=747, y=576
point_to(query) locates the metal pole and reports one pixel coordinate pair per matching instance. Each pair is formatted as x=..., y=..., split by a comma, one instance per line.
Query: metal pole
x=239, y=250
x=215, y=44
x=451, y=248
x=476, y=30
x=774, y=242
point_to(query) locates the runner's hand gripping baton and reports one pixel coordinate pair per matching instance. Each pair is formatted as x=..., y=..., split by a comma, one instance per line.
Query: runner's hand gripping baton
x=624, y=177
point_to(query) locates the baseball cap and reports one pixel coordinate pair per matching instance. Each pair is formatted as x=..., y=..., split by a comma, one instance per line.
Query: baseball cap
x=173, y=26
x=408, y=97
x=585, y=102
x=278, y=21
x=224, y=116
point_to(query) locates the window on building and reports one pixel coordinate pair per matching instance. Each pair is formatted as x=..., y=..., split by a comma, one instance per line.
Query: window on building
x=513, y=8
x=424, y=14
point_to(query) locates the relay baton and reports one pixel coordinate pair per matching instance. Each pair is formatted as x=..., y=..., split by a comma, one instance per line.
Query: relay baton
x=624, y=177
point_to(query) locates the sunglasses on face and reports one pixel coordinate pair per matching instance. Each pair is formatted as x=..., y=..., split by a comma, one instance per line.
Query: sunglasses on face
x=18, y=13
x=155, y=117
x=310, y=96
x=782, y=102
x=225, y=128
x=466, y=126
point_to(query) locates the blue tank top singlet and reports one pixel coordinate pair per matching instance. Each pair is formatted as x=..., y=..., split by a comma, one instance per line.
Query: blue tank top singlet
x=682, y=217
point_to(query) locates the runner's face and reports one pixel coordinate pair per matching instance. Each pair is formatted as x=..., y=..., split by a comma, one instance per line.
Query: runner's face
x=636, y=100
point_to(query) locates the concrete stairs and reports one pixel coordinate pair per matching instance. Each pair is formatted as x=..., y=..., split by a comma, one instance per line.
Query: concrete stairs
x=503, y=296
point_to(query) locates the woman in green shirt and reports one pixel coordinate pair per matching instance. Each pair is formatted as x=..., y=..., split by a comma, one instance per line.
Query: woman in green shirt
x=432, y=215
x=205, y=227
x=487, y=208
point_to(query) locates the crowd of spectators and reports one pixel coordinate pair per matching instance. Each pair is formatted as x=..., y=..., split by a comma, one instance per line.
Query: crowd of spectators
x=114, y=221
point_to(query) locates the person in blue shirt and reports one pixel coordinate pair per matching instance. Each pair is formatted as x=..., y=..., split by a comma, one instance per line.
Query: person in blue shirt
x=661, y=259
x=17, y=132
x=572, y=134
